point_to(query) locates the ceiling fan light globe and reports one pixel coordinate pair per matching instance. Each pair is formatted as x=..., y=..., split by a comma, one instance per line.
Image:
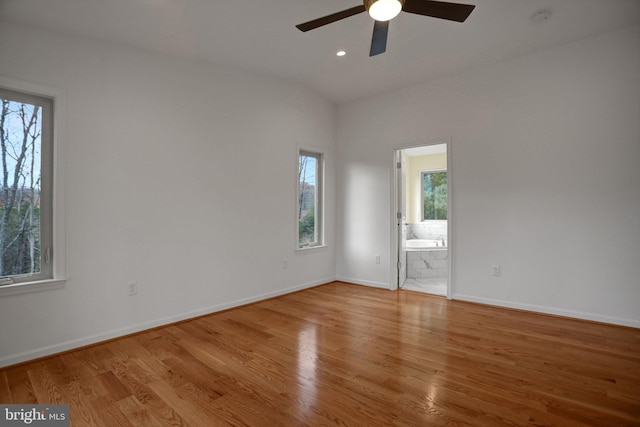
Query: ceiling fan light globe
x=384, y=10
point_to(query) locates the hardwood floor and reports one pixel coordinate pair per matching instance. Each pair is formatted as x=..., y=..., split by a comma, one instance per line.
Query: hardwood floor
x=348, y=355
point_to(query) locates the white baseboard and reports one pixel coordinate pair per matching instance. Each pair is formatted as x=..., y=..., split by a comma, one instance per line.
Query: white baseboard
x=549, y=310
x=93, y=339
x=364, y=282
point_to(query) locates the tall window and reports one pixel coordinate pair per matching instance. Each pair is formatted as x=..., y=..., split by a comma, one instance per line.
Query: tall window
x=310, y=221
x=434, y=195
x=26, y=143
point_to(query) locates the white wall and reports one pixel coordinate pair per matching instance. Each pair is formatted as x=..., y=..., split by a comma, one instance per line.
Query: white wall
x=178, y=176
x=546, y=178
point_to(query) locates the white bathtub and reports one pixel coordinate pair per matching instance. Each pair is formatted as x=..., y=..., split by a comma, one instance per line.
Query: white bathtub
x=421, y=244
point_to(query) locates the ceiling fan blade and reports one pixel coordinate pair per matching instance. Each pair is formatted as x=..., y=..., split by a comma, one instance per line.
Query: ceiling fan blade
x=331, y=18
x=451, y=11
x=379, y=39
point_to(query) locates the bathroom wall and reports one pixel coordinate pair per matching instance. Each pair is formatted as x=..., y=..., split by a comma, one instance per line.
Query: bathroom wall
x=435, y=230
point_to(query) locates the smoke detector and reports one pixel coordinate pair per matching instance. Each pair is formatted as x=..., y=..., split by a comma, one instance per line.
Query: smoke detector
x=541, y=16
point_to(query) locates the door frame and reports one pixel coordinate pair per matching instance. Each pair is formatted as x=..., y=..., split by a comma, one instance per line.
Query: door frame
x=396, y=188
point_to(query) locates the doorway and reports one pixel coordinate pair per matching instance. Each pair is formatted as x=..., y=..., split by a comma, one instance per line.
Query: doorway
x=422, y=224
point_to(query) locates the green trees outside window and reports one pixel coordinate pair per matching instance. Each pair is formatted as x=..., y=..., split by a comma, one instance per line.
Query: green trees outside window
x=434, y=195
x=309, y=199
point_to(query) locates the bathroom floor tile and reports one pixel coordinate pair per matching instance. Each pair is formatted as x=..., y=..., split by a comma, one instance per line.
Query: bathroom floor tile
x=436, y=286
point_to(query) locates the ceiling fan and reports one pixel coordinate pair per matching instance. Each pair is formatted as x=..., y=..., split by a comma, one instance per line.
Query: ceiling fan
x=384, y=10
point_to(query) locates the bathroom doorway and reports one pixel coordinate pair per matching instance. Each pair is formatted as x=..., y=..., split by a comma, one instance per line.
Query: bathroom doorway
x=422, y=223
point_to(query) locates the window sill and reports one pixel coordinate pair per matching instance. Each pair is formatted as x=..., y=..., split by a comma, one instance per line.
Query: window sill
x=29, y=287
x=312, y=248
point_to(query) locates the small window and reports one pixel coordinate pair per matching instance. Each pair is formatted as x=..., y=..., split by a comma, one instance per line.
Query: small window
x=434, y=195
x=26, y=230
x=310, y=193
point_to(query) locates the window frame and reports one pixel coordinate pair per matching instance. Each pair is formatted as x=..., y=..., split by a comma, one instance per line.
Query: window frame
x=46, y=185
x=319, y=241
x=422, y=174
x=52, y=177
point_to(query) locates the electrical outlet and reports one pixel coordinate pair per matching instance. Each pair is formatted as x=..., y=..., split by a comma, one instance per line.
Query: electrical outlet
x=284, y=263
x=377, y=259
x=132, y=288
x=495, y=270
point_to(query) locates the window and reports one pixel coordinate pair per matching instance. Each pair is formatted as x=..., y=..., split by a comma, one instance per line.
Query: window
x=310, y=194
x=434, y=195
x=26, y=182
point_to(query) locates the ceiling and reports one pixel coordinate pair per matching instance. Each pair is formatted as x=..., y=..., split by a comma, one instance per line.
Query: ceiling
x=260, y=35
x=425, y=150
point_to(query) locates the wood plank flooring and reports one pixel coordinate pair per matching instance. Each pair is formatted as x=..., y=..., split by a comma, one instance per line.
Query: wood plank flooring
x=348, y=355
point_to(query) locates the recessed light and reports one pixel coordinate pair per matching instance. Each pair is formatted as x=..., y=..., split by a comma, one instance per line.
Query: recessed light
x=341, y=53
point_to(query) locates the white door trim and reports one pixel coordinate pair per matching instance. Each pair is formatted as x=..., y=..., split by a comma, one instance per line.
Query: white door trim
x=395, y=185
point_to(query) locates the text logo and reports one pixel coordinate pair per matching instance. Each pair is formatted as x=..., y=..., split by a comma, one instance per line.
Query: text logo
x=34, y=415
